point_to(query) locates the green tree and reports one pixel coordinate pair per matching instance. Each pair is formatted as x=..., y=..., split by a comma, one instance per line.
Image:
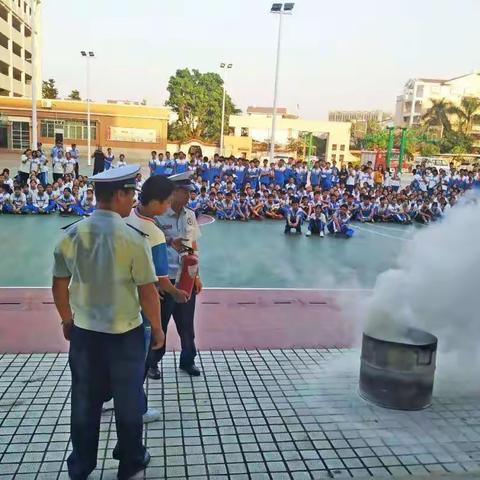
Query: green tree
x=48, y=89
x=196, y=98
x=456, y=142
x=468, y=113
x=74, y=95
x=437, y=115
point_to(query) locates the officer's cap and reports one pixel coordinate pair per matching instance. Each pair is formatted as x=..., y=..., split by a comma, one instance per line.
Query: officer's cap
x=183, y=180
x=118, y=178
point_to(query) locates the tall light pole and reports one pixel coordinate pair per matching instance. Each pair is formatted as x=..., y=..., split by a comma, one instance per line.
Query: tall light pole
x=88, y=56
x=279, y=9
x=225, y=67
x=35, y=4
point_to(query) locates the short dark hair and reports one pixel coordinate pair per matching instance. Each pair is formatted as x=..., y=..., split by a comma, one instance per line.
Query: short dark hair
x=158, y=188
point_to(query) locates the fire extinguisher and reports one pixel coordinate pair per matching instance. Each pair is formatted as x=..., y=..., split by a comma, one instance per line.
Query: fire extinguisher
x=188, y=271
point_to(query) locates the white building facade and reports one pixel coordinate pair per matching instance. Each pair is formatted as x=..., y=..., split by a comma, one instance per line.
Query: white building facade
x=418, y=94
x=17, y=31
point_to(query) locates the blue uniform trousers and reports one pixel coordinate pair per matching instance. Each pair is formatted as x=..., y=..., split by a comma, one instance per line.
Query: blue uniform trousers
x=183, y=315
x=101, y=363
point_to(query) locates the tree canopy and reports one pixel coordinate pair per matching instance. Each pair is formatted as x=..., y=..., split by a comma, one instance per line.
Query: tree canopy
x=74, y=95
x=196, y=98
x=49, y=90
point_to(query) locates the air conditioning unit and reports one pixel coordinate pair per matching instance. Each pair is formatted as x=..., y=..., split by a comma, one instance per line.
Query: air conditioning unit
x=46, y=104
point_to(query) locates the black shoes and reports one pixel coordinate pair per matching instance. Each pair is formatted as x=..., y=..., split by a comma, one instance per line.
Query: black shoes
x=192, y=370
x=133, y=471
x=154, y=373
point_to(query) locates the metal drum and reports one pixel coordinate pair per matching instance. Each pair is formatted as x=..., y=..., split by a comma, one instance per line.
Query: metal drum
x=397, y=369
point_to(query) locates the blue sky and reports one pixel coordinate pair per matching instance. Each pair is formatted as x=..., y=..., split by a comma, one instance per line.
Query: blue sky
x=340, y=54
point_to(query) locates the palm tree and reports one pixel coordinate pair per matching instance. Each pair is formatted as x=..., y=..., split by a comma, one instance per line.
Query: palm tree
x=437, y=115
x=467, y=113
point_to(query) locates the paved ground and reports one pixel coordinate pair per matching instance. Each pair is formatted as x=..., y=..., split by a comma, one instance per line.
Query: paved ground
x=225, y=319
x=267, y=414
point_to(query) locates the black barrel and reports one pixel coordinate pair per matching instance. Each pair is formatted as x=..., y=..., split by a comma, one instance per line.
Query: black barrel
x=397, y=369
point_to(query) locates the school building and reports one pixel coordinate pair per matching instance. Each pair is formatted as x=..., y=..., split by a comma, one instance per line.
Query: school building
x=112, y=125
x=256, y=125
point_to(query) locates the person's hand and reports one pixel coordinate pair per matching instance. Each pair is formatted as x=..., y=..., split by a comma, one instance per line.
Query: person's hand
x=158, y=339
x=198, y=285
x=178, y=243
x=180, y=296
x=67, y=330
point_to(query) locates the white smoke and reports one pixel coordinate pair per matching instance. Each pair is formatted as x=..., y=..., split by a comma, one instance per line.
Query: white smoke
x=436, y=287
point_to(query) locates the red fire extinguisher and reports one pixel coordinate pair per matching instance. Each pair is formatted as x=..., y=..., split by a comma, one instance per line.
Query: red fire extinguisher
x=188, y=271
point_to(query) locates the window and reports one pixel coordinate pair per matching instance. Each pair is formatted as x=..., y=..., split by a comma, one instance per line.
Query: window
x=341, y=158
x=25, y=7
x=17, y=49
x=3, y=13
x=28, y=79
x=334, y=146
x=17, y=74
x=28, y=56
x=16, y=24
x=20, y=135
x=244, y=132
x=342, y=148
x=3, y=41
x=334, y=157
x=27, y=31
x=72, y=129
x=4, y=68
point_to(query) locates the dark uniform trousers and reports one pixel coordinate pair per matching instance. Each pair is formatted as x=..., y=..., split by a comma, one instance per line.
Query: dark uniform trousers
x=101, y=363
x=183, y=315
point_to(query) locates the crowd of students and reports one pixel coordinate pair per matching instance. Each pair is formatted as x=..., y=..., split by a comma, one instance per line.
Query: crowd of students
x=319, y=199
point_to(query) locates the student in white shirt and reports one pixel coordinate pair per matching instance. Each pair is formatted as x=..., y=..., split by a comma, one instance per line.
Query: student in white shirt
x=25, y=163
x=70, y=164
x=58, y=161
x=5, y=206
x=121, y=161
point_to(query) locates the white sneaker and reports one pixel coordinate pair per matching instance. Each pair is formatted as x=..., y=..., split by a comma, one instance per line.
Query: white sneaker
x=151, y=415
x=322, y=234
x=293, y=230
x=308, y=233
x=108, y=406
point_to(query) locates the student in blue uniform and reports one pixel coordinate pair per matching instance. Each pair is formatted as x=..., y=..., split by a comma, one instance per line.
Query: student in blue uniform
x=366, y=211
x=153, y=163
x=317, y=222
x=66, y=202
x=86, y=205
x=315, y=175
x=194, y=204
x=339, y=224
x=293, y=219
x=108, y=159
x=181, y=165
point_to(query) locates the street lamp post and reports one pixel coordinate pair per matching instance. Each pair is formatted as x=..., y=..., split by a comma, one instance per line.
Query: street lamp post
x=34, y=80
x=225, y=67
x=280, y=9
x=88, y=56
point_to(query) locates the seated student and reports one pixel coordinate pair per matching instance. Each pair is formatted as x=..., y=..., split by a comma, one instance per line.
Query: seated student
x=18, y=201
x=87, y=204
x=397, y=214
x=293, y=219
x=339, y=224
x=256, y=207
x=41, y=203
x=317, y=222
x=203, y=200
x=28, y=195
x=424, y=214
x=437, y=212
x=5, y=206
x=228, y=208
x=211, y=207
x=271, y=208
x=366, y=210
x=243, y=208
x=194, y=204
x=66, y=202
x=382, y=212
